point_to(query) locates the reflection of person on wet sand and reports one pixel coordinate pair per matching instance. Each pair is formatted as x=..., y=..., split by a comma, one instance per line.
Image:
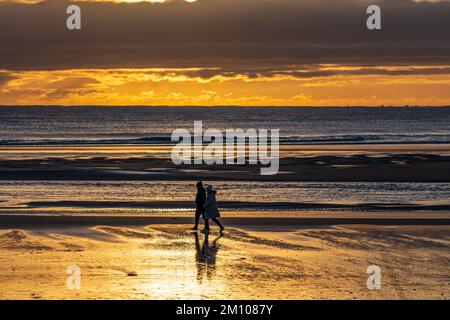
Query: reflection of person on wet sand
x=205, y=257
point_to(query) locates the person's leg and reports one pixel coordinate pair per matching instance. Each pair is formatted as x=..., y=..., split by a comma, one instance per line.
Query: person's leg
x=206, y=225
x=205, y=220
x=198, y=213
x=217, y=221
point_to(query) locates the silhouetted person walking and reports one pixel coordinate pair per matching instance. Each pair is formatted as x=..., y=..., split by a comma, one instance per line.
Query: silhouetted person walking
x=199, y=204
x=211, y=210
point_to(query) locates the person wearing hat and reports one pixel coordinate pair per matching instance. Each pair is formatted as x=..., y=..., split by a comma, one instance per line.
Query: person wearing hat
x=211, y=210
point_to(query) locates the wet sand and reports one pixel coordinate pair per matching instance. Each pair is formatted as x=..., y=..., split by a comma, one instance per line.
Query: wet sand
x=277, y=254
x=163, y=259
x=269, y=219
x=87, y=205
x=346, y=163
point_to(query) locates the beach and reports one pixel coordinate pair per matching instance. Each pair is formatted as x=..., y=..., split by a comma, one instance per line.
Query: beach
x=110, y=203
x=347, y=163
x=124, y=222
x=259, y=257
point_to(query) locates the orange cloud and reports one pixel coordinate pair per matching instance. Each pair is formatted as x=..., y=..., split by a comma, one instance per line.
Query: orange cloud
x=331, y=85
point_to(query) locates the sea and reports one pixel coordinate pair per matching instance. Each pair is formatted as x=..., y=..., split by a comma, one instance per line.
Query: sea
x=154, y=125
x=41, y=126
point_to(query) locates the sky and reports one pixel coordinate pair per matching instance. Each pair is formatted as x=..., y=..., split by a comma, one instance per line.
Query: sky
x=225, y=52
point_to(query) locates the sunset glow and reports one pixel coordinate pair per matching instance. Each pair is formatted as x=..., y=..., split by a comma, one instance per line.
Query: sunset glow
x=252, y=53
x=318, y=85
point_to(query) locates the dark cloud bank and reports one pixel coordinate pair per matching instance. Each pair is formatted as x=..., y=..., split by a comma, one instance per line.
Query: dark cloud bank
x=248, y=36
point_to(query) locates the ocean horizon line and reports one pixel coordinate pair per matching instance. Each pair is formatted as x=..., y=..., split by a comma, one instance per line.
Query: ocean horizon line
x=227, y=106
